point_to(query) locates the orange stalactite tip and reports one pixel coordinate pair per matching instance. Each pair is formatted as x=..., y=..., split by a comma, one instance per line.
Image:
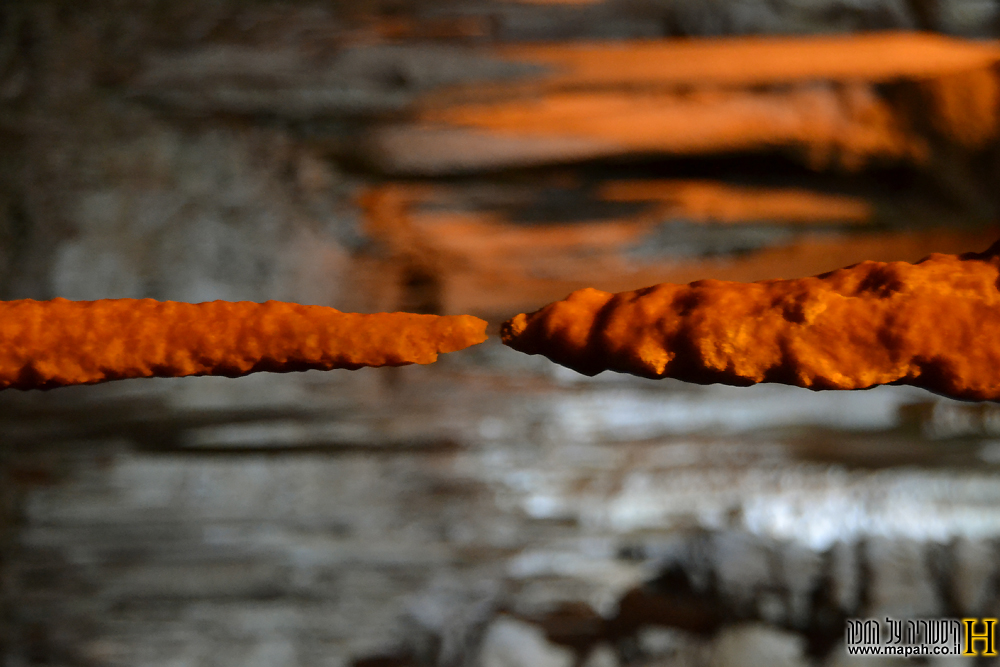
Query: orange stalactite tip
x=47, y=344
x=934, y=324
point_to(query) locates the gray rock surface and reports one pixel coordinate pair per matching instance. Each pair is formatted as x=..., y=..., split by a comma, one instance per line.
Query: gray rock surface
x=490, y=509
x=512, y=643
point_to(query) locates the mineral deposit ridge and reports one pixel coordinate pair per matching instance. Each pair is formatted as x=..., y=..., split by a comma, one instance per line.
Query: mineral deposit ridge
x=934, y=324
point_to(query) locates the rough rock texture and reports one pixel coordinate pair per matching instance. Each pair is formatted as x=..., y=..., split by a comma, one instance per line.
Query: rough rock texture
x=193, y=150
x=927, y=324
x=47, y=344
x=332, y=518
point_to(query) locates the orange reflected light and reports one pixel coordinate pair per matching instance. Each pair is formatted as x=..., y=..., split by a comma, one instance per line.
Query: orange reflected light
x=703, y=201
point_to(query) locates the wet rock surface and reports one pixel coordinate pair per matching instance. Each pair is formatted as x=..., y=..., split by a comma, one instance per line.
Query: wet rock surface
x=282, y=517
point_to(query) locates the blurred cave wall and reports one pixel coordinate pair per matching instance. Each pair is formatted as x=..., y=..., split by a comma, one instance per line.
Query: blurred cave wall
x=490, y=509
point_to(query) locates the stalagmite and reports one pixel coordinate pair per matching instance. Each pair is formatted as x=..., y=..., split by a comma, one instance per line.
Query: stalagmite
x=46, y=344
x=934, y=324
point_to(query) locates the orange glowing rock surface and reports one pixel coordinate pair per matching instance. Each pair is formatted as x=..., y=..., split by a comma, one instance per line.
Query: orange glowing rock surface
x=700, y=201
x=933, y=324
x=818, y=95
x=47, y=344
x=852, y=120
x=749, y=61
